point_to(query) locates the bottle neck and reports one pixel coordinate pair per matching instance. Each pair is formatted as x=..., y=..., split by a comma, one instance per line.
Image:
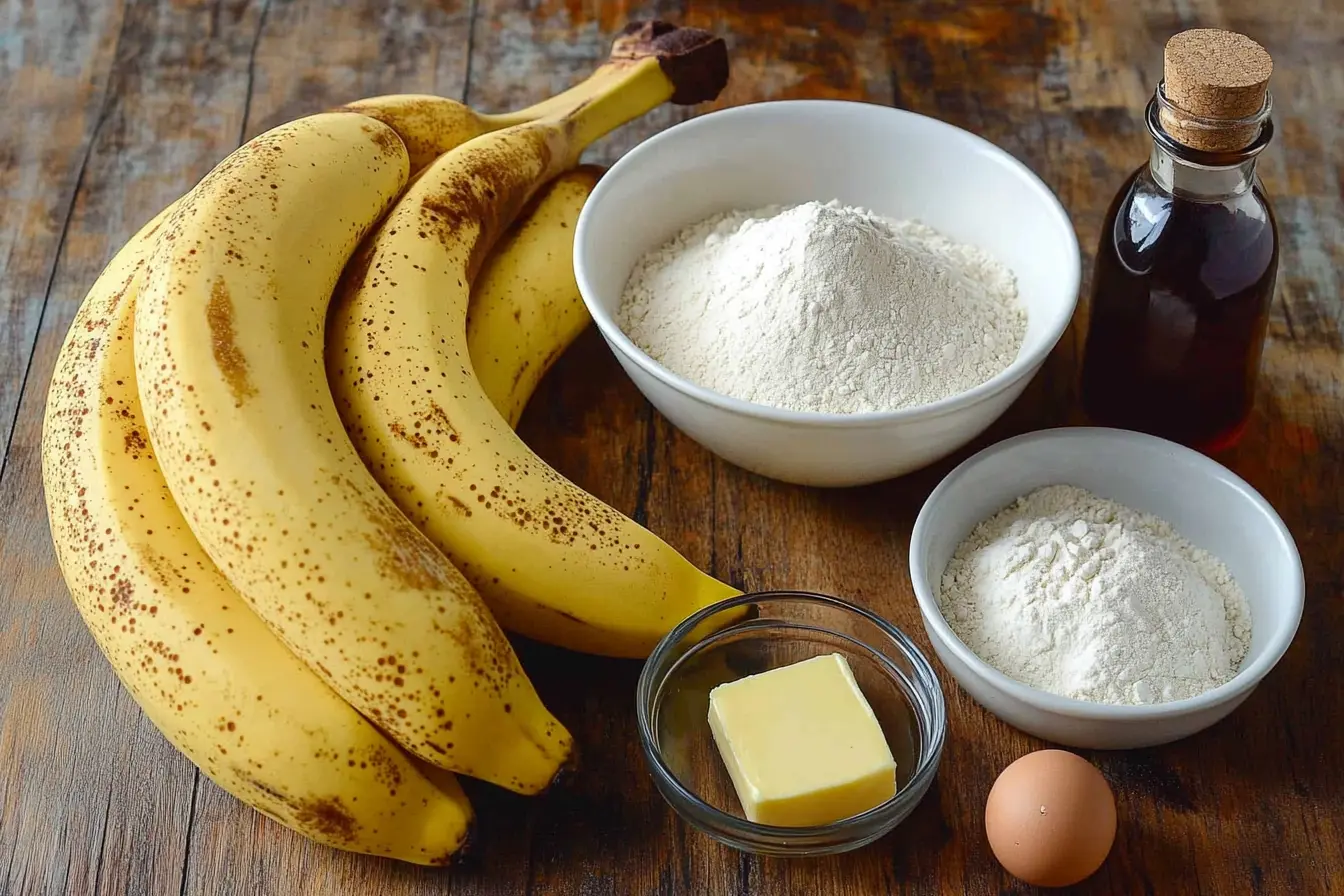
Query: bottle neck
x=1181, y=177
x=1200, y=175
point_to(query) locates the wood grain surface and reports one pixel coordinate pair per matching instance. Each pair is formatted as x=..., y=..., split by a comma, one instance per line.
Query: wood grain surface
x=114, y=108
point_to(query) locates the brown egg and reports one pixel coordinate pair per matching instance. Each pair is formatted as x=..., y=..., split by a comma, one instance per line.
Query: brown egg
x=1050, y=818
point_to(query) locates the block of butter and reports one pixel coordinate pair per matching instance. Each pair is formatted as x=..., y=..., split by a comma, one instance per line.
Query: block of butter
x=801, y=743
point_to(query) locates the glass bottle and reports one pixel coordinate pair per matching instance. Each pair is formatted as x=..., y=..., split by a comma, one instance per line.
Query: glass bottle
x=1184, y=277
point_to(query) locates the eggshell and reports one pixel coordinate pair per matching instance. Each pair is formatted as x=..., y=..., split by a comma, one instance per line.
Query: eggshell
x=1050, y=818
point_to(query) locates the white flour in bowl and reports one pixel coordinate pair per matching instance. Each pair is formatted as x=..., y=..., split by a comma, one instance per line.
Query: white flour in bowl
x=823, y=307
x=1087, y=598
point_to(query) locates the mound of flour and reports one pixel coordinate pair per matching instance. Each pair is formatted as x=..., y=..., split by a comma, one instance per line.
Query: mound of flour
x=1083, y=597
x=823, y=307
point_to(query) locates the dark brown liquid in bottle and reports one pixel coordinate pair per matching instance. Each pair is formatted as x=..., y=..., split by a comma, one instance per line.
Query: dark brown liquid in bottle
x=1180, y=302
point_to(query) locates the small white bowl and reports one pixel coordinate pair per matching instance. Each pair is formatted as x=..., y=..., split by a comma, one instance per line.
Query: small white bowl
x=896, y=163
x=1206, y=503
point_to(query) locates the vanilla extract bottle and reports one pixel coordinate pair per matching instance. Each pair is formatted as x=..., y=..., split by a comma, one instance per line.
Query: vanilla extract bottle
x=1188, y=254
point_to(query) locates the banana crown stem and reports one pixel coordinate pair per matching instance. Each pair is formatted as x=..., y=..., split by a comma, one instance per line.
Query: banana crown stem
x=562, y=102
x=642, y=87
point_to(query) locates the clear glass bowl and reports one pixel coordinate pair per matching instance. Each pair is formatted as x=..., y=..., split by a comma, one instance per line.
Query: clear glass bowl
x=757, y=632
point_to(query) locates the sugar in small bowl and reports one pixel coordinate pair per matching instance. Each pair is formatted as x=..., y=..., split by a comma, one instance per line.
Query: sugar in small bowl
x=1204, y=502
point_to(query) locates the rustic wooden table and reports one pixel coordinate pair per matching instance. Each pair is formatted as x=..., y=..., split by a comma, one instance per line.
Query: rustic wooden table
x=115, y=108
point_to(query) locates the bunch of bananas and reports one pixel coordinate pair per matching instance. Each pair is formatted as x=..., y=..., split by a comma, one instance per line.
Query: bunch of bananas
x=281, y=470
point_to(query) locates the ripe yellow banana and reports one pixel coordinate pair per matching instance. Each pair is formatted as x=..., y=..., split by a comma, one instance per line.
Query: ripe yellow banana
x=553, y=562
x=205, y=670
x=525, y=307
x=228, y=350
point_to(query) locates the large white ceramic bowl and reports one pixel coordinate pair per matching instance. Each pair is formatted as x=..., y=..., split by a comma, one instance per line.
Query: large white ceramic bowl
x=896, y=163
x=1206, y=503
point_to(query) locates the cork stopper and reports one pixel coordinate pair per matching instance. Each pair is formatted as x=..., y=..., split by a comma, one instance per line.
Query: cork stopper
x=1214, y=86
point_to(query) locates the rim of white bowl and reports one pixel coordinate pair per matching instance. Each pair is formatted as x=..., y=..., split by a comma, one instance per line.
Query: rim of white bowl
x=1245, y=679
x=1021, y=366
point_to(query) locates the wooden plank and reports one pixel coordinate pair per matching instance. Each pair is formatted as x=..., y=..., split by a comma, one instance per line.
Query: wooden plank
x=94, y=799
x=54, y=65
x=312, y=56
x=1294, y=455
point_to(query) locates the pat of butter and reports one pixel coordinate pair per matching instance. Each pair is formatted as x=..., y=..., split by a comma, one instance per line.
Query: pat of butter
x=801, y=743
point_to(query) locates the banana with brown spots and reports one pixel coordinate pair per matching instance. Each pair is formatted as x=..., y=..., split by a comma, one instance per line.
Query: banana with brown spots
x=525, y=308
x=228, y=351
x=205, y=670
x=553, y=562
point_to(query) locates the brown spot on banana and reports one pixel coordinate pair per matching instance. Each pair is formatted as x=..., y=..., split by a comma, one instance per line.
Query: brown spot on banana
x=135, y=442
x=223, y=343
x=411, y=438
x=523, y=368
x=328, y=817
x=385, y=138
x=491, y=199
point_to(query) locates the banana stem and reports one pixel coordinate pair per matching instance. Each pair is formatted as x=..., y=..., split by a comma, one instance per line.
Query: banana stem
x=561, y=102
x=637, y=88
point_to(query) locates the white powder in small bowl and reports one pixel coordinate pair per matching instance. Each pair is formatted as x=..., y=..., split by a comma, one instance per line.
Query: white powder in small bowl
x=1086, y=598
